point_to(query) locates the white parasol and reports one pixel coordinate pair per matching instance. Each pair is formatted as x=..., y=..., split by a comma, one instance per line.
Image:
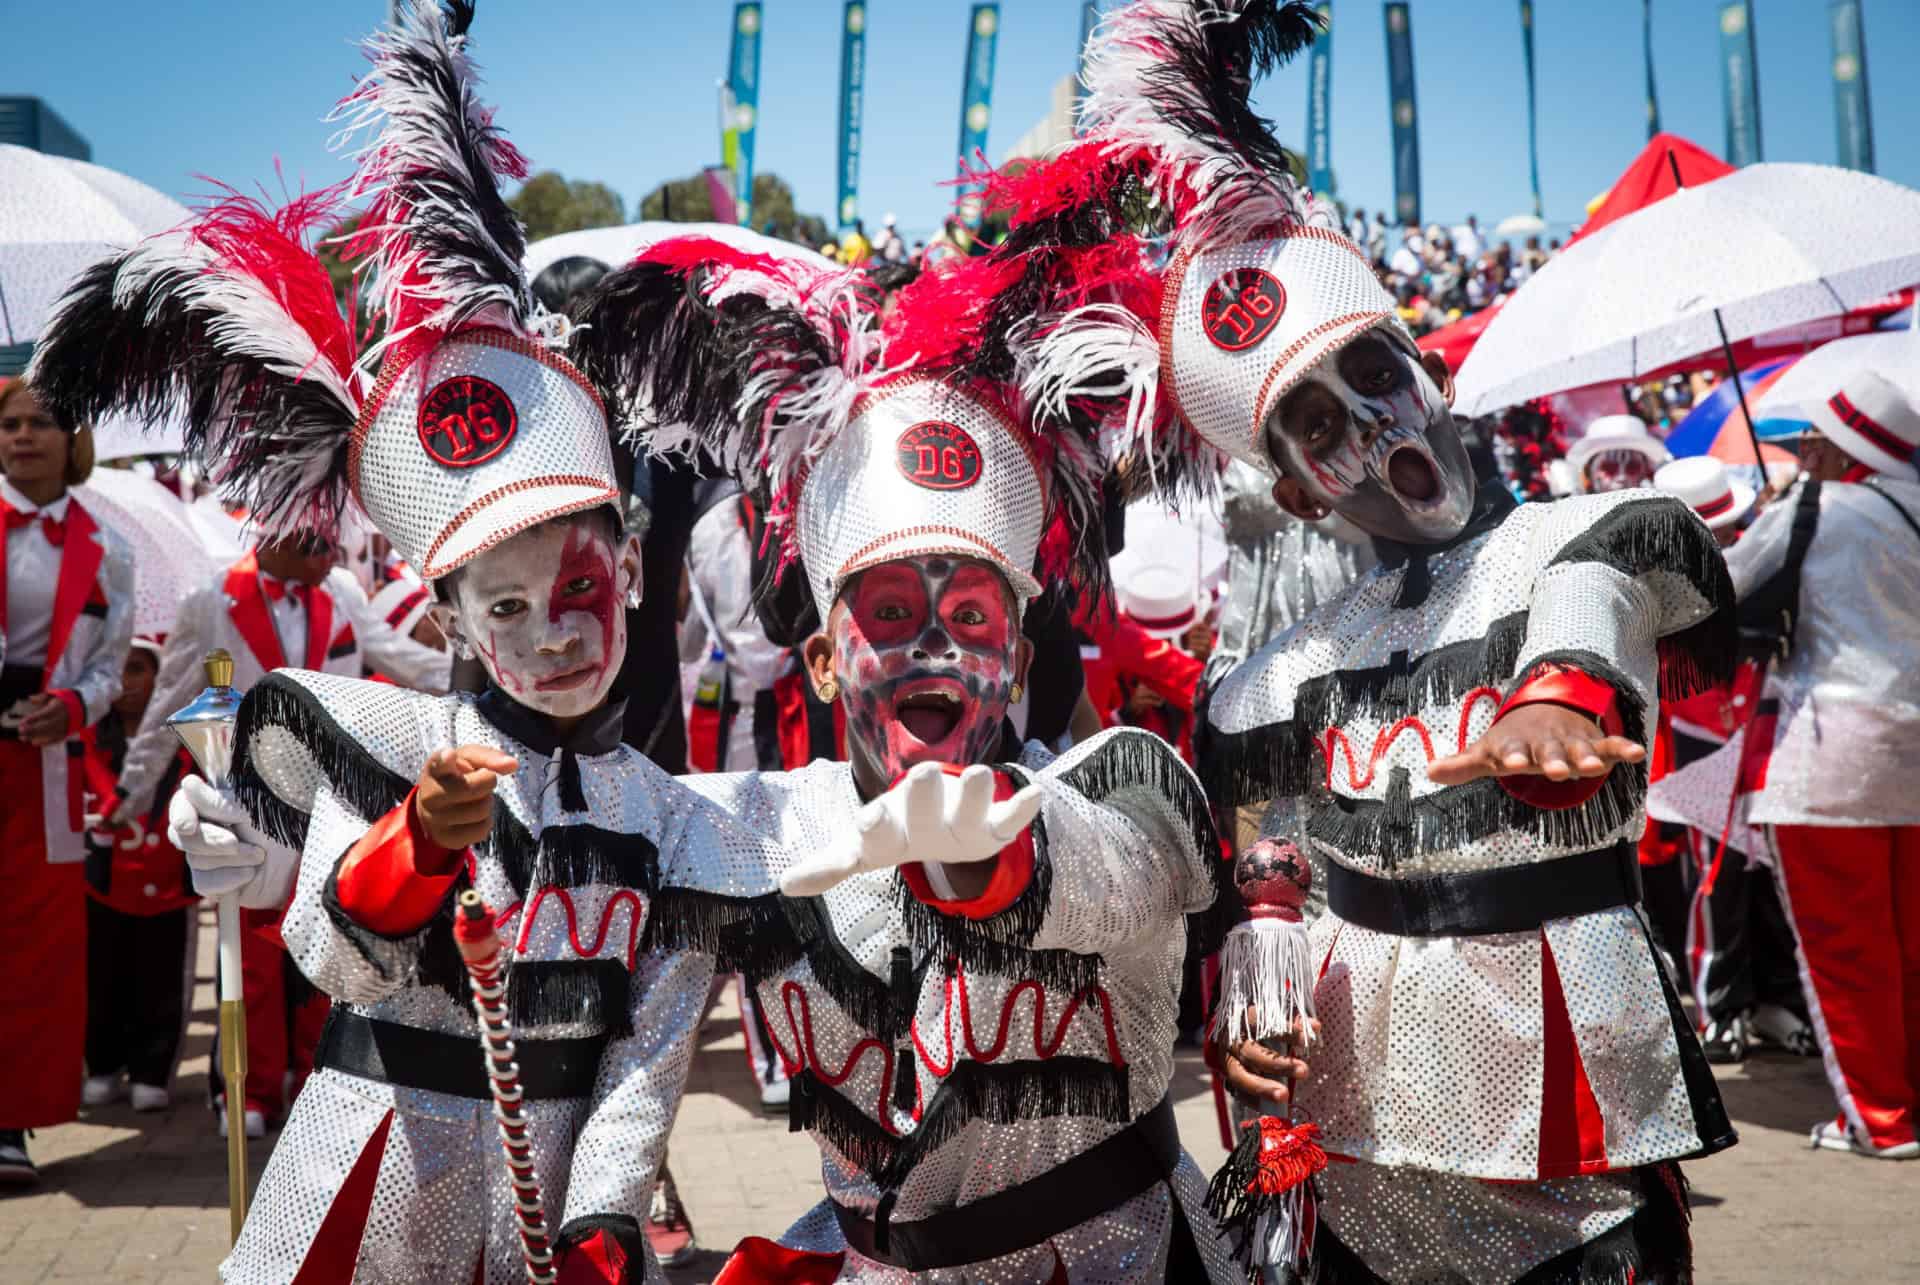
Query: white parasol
x=169, y=558
x=57, y=216
x=1768, y=246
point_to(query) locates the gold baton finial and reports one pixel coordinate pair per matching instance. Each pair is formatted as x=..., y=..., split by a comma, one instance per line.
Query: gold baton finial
x=219, y=667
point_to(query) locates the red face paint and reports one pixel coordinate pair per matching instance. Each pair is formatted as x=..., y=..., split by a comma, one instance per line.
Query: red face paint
x=924, y=651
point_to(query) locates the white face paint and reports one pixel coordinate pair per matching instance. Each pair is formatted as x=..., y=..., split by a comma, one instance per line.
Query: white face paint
x=1367, y=434
x=544, y=612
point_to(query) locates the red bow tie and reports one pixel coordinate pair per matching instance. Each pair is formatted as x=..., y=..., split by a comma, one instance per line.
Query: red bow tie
x=55, y=532
x=279, y=589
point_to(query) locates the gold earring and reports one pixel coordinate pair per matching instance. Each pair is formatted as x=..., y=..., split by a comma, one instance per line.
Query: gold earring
x=829, y=692
x=1014, y=693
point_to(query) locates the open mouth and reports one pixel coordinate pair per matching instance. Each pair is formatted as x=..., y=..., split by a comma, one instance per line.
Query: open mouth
x=567, y=680
x=930, y=714
x=1412, y=475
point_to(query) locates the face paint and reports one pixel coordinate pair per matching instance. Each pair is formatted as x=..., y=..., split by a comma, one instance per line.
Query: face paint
x=925, y=651
x=1367, y=433
x=543, y=612
x=1618, y=471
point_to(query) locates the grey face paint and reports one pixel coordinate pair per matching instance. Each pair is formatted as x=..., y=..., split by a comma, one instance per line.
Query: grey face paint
x=1367, y=433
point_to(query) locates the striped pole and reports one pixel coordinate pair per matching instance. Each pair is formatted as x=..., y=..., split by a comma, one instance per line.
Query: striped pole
x=474, y=930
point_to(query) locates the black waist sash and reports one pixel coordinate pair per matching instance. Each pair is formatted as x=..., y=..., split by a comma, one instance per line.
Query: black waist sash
x=1476, y=903
x=1106, y=1175
x=410, y=1058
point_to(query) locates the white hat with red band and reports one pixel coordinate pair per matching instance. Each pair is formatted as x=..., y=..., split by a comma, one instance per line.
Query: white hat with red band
x=1873, y=420
x=1160, y=597
x=402, y=603
x=1616, y=433
x=1703, y=484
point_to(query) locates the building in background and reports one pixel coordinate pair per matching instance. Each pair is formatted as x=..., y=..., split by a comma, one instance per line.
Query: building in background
x=1055, y=129
x=29, y=122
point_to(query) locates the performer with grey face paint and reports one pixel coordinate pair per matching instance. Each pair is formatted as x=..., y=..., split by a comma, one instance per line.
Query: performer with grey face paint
x=1460, y=737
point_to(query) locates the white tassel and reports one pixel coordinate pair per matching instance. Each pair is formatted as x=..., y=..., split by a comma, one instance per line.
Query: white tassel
x=1266, y=966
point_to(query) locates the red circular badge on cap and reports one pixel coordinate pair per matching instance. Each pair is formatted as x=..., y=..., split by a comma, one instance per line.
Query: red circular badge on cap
x=939, y=456
x=466, y=421
x=1241, y=308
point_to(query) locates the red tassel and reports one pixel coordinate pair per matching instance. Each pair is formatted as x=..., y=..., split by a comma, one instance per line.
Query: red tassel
x=1289, y=1155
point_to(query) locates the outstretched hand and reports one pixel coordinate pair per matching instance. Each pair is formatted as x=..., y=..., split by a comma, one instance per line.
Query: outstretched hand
x=1538, y=740
x=929, y=816
x=454, y=795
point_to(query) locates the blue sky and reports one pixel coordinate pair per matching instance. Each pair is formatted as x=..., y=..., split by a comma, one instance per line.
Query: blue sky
x=623, y=90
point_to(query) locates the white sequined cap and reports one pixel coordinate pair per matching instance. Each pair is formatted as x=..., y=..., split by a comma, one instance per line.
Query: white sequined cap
x=1242, y=323
x=921, y=468
x=473, y=440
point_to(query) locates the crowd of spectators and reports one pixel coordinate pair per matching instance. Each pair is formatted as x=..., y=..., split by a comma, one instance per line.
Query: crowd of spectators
x=1438, y=274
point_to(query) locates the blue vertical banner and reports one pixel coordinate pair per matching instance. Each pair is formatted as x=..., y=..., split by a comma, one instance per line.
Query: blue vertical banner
x=1852, y=118
x=1739, y=83
x=1646, y=54
x=1533, y=126
x=853, y=92
x=1400, y=103
x=1320, y=104
x=976, y=100
x=743, y=101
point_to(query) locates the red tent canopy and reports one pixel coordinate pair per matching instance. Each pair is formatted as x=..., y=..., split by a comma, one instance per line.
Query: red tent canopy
x=1650, y=178
x=1455, y=340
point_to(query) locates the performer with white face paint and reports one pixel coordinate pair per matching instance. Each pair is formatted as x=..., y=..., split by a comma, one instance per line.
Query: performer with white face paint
x=994, y=887
x=361, y=808
x=1459, y=736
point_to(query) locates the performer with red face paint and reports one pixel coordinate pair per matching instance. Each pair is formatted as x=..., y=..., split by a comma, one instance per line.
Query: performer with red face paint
x=1458, y=737
x=362, y=808
x=979, y=1023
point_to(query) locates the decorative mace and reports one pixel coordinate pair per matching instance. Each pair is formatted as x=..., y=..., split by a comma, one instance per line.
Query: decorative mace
x=1264, y=1193
x=475, y=930
x=206, y=728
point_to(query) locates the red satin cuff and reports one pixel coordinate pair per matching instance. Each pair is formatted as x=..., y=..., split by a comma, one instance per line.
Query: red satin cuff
x=1571, y=689
x=76, y=712
x=1012, y=867
x=596, y=1259
x=394, y=880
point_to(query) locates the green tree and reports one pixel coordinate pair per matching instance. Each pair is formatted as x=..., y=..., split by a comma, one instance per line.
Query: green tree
x=549, y=204
x=688, y=200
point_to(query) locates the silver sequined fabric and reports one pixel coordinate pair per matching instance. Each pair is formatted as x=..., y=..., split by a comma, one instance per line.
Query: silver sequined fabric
x=1431, y=1055
x=1849, y=727
x=1124, y=873
x=1412, y=1227
x=442, y=1201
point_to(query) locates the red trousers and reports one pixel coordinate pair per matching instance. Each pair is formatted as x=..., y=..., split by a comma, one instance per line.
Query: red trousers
x=43, y=959
x=284, y=1016
x=1853, y=896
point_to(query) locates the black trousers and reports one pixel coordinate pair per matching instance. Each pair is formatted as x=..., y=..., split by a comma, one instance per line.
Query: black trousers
x=1739, y=945
x=136, y=992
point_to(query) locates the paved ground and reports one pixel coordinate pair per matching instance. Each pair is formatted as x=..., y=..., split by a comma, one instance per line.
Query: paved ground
x=143, y=1198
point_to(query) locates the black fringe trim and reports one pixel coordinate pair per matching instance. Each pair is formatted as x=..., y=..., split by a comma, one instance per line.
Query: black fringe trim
x=1662, y=534
x=869, y=1000
x=748, y=935
x=1280, y=759
x=361, y=781
x=995, y=1092
x=572, y=856
x=552, y=992
x=1233, y=1207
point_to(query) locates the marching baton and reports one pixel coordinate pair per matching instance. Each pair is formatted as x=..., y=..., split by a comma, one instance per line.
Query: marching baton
x=206, y=728
x=475, y=930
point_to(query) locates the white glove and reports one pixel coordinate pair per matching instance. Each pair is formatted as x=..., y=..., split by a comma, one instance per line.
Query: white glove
x=227, y=854
x=929, y=817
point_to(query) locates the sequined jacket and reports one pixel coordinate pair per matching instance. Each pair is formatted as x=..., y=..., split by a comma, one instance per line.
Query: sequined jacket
x=939, y=1059
x=603, y=868
x=1437, y=1050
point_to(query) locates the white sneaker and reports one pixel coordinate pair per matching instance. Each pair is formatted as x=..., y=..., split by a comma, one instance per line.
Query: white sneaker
x=1784, y=1029
x=1831, y=1135
x=255, y=1123
x=98, y=1090
x=775, y=1094
x=150, y=1097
